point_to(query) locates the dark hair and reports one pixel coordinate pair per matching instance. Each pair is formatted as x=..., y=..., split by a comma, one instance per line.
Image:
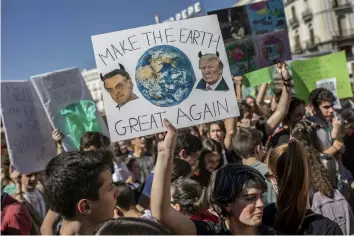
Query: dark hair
x=131, y=226
x=187, y=193
x=209, y=146
x=126, y=198
x=180, y=168
x=294, y=103
x=95, y=139
x=72, y=176
x=227, y=183
x=188, y=142
x=348, y=118
x=129, y=163
x=219, y=123
x=245, y=141
x=290, y=163
x=305, y=132
x=319, y=95
x=121, y=71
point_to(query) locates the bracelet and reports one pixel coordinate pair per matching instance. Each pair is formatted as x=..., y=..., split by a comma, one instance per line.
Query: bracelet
x=335, y=148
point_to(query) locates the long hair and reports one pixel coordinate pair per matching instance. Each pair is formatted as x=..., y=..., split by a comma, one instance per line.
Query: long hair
x=290, y=164
x=305, y=132
x=209, y=146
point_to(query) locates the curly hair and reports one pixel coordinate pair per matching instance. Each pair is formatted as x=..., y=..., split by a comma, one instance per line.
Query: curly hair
x=305, y=132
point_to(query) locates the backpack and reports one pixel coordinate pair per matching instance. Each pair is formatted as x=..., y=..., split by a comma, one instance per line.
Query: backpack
x=336, y=209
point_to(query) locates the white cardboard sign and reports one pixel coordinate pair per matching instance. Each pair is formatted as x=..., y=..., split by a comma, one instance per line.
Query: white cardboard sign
x=28, y=131
x=175, y=70
x=60, y=93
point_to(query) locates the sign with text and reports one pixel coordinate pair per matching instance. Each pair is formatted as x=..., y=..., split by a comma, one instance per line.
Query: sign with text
x=175, y=70
x=306, y=73
x=69, y=105
x=28, y=131
x=255, y=35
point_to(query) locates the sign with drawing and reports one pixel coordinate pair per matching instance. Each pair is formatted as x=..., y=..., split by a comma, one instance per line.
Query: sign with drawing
x=69, y=105
x=255, y=35
x=173, y=70
x=28, y=131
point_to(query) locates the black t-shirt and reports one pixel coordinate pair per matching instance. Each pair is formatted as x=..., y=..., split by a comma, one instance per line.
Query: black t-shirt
x=313, y=224
x=211, y=228
x=347, y=157
x=279, y=138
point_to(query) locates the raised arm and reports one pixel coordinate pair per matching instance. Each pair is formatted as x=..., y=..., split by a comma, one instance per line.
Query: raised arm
x=230, y=127
x=261, y=93
x=161, y=188
x=238, y=82
x=58, y=138
x=282, y=108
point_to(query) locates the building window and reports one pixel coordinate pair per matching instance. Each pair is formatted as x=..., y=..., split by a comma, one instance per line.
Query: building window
x=312, y=34
x=293, y=12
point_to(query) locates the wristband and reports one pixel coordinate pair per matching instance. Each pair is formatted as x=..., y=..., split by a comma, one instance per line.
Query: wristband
x=335, y=148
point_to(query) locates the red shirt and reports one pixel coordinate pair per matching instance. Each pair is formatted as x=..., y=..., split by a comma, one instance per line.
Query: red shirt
x=15, y=219
x=205, y=216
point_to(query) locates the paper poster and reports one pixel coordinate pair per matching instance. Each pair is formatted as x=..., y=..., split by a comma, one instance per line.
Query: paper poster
x=28, y=131
x=175, y=70
x=307, y=72
x=331, y=85
x=255, y=35
x=262, y=76
x=69, y=105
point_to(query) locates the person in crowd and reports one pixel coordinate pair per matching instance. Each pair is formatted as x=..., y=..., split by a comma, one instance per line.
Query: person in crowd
x=325, y=199
x=135, y=170
x=296, y=113
x=210, y=160
x=15, y=219
x=188, y=148
x=132, y=226
x=321, y=101
x=180, y=168
x=94, y=141
x=126, y=204
x=289, y=172
x=222, y=133
x=33, y=199
x=144, y=159
x=235, y=193
x=121, y=149
x=248, y=145
x=348, y=126
x=7, y=185
x=187, y=198
x=80, y=188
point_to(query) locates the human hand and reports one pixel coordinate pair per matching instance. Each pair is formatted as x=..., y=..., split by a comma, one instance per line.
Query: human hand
x=57, y=136
x=337, y=125
x=238, y=80
x=338, y=145
x=283, y=71
x=167, y=147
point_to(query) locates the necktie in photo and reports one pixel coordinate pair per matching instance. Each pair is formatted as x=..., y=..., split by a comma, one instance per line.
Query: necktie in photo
x=208, y=88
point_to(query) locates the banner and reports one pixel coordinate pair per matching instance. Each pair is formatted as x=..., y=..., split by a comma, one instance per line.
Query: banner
x=175, y=70
x=307, y=72
x=255, y=35
x=69, y=105
x=28, y=131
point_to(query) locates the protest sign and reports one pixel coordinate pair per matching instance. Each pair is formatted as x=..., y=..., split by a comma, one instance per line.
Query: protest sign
x=255, y=35
x=258, y=77
x=176, y=70
x=28, y=131
x=307, y=72
x=69, y=105
x=331, y=85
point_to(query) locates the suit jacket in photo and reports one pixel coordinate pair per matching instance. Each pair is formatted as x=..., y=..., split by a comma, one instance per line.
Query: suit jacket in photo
x=222, y=86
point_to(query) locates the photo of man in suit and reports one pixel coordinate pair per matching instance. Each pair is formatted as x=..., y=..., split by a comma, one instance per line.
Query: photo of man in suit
x=211, y=68
x=119, y=85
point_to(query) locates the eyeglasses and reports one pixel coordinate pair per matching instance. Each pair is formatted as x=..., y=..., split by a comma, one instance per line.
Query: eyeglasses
x=270, y=177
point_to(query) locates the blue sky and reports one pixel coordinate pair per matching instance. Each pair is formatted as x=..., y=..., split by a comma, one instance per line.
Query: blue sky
x=39, y=36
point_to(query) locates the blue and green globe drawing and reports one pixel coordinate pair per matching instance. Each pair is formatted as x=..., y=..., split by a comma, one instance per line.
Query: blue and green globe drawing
x=164, y=76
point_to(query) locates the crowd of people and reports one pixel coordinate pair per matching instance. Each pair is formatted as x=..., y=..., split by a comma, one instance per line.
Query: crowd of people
x=284, y=166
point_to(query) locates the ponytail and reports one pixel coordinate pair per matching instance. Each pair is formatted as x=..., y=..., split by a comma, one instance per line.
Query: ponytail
x=290, y=164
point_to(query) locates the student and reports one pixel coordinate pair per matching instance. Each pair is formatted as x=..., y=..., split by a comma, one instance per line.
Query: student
x=209, y=161
x=15, y=219
x=321, y=102
x=79, y=187
x=289, y=173
x=188, y=148
x=145, y=160
x=187, y=197
x=33, y=199
x=132, y=226
x=248, y=145
x=235, y=193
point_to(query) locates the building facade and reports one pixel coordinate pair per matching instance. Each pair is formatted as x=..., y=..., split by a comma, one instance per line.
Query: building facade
x=93, y=83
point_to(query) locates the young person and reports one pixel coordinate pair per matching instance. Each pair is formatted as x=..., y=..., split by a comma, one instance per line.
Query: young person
x=248, y=145
x=210, y=160
x=289, y=171
x=235, y=193
x=188, y=148
x=80, y=188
